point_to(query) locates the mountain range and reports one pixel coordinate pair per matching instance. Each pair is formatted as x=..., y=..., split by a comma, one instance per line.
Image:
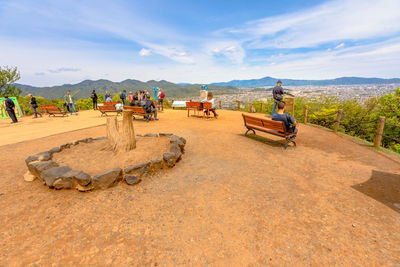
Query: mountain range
x=269, y=81
x=84, y=88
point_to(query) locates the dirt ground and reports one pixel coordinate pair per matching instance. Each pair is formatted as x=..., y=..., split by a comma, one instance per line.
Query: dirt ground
x=232, y=200
x=95, y=157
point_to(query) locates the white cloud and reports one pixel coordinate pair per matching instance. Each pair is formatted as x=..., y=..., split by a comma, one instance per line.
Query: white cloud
x=341, y=45
x=144, y=52
x=332, y=21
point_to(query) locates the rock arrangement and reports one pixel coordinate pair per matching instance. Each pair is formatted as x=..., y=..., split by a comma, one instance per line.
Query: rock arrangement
x=41, y=166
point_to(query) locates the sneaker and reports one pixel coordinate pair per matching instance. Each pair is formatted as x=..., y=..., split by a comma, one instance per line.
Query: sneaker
x=156, y=119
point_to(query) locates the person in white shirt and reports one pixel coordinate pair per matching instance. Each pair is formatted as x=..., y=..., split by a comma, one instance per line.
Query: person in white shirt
x=119, y=106
x=210, y=99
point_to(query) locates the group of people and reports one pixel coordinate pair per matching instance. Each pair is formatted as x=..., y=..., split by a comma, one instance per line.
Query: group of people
x=131, y=99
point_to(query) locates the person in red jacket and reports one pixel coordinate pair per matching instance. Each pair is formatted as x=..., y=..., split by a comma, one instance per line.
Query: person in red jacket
x=160, y=98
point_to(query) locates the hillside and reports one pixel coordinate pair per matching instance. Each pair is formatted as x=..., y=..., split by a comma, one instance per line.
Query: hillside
x=84, y=89
x=269, y=81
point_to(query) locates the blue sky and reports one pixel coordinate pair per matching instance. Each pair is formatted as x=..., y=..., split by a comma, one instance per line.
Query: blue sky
x=57, y=42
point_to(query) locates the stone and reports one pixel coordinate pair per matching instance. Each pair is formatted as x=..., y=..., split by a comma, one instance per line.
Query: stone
x=66, y=145
x=79, y=177
x=100, y=138
x=44, y=156
x=139, y=135
x=176, y=138
x=165, y=134
x=132, y=179
x=107, y=178
x=155, y=165
x=66, y=183
x=137, y=167
x=29, y=177
x=151, y=135
x=176, y=149
x=86, y=188
x=170, y=159
x=55, y=150
x=30, y=159
x=49, y=176
x=75, y=142
x=37, y=167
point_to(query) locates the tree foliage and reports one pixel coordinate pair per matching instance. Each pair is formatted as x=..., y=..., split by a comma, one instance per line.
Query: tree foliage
x=8, y=76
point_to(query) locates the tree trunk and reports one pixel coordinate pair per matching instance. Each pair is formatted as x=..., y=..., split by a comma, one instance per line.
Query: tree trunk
x=127, y=140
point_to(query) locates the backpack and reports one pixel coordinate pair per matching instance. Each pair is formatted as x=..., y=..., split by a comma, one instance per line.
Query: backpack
x=291, y=126
x=92, y=95
x=162, y=95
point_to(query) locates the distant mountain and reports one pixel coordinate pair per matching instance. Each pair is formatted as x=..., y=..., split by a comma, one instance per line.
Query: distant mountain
x=84, y=89
x=269, y=81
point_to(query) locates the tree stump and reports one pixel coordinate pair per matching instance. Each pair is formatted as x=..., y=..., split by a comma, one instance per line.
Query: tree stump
x=121, y=141
x=127, y=140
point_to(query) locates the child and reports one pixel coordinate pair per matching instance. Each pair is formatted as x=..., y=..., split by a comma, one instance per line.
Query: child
x=210, y=99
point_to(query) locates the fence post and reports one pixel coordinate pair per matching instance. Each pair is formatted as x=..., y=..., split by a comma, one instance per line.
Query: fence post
x=305, y=113
x=261, y=107
x=337, y=122
x=220, y=104
x=379, y=131
x=238, y=104
x=23, y=111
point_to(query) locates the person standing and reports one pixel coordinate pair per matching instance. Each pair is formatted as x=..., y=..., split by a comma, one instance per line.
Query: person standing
x=10, y=108
x=277, y=94
x=123, y=97
x=130, y=98
x=34, y=106
x=160, y=98
x=69, y=101
x=94, y=98
x=108, y=97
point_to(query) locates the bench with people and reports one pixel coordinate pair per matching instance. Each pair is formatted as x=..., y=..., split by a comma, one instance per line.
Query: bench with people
x=207, y=105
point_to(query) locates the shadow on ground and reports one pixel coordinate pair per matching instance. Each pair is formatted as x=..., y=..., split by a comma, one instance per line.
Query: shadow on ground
x=267, y=141
x=383, y=187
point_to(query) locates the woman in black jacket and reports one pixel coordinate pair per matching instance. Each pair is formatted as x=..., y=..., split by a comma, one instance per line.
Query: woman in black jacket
x=34, y=106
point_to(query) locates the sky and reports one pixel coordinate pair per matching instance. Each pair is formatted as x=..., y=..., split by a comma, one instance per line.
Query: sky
x=68, y=41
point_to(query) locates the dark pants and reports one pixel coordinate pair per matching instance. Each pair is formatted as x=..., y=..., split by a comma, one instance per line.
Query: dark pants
x=11, y=113
x=274, y=108
x=154, y=112
x=161, y=104
x=212, y=110
x=94, y=104
x=35, y=113
x=123, y=101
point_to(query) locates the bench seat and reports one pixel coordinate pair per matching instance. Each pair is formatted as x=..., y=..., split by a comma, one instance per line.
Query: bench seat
x=265, y=125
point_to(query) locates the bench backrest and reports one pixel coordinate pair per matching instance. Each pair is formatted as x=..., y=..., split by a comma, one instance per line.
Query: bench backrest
x=207, y=105
x=110, y=103
x=193, y=104
x=53, y=110
x=264, y=123
x=49, y=106
x=135, y=109
x=106, y=108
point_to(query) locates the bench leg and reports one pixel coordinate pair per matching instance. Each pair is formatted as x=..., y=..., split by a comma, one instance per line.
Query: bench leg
x=254, y=132
x=290, y=140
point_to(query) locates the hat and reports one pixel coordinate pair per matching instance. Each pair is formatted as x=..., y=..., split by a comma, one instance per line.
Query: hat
x=279, y=81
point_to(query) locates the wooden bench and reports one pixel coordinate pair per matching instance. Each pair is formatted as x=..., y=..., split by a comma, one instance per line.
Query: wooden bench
x=139, y=111
x=53, y=110
x=207, y=107
x=108, y=108
x=265, y=125
x=110, y=103
x=195, y=106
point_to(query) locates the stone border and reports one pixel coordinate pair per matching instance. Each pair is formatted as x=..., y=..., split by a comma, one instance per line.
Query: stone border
x=54, y=176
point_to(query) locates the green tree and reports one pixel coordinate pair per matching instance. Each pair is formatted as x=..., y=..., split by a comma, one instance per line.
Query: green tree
x=8, y=76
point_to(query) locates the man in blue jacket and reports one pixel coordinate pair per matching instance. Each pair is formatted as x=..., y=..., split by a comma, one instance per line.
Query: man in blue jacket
x=286, y=118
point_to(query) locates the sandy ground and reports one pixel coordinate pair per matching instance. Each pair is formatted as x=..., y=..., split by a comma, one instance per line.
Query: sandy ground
x=232, y=200
x=99, y=158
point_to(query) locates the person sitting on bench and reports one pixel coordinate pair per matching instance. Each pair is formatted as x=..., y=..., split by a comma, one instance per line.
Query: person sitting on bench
x=119, y=106
x=209, y=99
x=286, y=118
x=149, y=107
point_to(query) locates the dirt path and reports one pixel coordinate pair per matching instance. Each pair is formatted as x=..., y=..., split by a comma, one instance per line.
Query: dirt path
x=232, y=200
